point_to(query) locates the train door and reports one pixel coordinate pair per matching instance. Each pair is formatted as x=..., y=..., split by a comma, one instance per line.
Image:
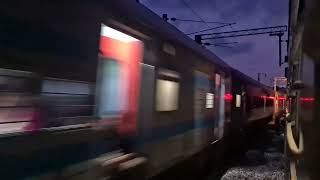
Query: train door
x=118, y=78
x=203, y=104
x=228, y=98
x=220, y=110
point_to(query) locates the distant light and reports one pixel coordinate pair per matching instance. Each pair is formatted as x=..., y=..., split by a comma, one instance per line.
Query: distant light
x=228, y=97
x=115, y=34
x=307, y=99
x=271, y=97
x=267, y=97
x=282, y=98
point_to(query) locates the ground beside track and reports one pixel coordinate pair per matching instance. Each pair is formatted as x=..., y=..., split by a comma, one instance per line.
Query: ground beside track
x=262, y=159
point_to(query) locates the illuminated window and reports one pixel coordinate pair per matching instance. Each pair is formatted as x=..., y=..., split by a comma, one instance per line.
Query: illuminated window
x=167, y=95
x=209, y=100
x=238, y=100
x=111, y=99
x=115, y=34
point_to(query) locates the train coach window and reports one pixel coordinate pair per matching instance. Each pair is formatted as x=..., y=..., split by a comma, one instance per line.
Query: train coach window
x=167, y=95
x=109, y=90
x=18, y=94
x=238, y=100
x=209, y=100
x=68, y=102
x=167, y=91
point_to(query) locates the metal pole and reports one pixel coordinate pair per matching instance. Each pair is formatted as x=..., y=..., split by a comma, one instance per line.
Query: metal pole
x=280, y=55
x=264, y=104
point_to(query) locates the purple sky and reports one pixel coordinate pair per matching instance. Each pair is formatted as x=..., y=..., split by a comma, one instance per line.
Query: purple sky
x=252, y=54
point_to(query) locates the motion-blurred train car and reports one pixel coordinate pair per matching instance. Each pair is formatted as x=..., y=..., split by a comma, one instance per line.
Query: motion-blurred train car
x=253, y=100
x=83, y=79
x=252, y=109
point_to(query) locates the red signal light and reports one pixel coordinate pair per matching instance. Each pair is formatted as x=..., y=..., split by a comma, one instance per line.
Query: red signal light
x=267, y=97
x=307, y=99
x=228, y=97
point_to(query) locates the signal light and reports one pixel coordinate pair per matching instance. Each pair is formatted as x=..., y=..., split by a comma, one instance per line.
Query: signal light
x=267, y=97
x=228, y=97
x=307, y=99
x=271, y=97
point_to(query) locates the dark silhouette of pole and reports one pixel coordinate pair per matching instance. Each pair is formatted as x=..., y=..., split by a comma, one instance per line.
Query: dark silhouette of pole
x=272, y=31
x=280, y=47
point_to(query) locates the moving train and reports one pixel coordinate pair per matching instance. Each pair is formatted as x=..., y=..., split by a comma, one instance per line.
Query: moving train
x=80, y=80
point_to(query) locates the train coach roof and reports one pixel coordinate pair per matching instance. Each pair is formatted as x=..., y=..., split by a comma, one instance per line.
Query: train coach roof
x=236, y=73
x=146, y=17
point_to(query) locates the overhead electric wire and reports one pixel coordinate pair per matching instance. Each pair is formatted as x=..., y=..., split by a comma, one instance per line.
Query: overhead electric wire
x=195, y=13
x=223, y=46
x=225, y=43
x=196, y=32
x=191, y=20
x=246, y=32
x=231, y=27
x=220, y=44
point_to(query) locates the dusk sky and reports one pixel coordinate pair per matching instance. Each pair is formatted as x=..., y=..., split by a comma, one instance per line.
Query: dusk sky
x=252, y=54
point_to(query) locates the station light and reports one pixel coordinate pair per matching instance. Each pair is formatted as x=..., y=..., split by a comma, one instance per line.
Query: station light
x=304, y=99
